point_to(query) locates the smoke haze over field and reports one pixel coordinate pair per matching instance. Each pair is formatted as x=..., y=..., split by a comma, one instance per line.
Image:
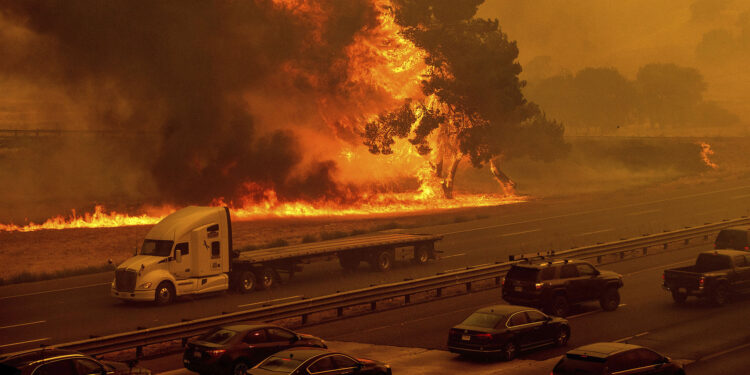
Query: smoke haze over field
x=557, y=37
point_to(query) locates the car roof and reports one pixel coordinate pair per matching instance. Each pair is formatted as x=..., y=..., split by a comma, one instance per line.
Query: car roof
x=547, y=263
x=248, y=326
x=19, y=359
x=503, y=309
x=742, y=228
x=729, y=252
x=304, y=353
x=603, y=349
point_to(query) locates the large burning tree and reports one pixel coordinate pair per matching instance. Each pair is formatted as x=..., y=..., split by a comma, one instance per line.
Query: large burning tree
x=473, y=104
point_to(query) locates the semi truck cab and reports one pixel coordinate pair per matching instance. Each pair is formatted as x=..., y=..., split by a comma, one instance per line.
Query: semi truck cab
x=188, y=252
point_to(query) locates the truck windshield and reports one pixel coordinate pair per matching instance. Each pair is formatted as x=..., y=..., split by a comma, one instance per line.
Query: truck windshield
x=159, y=248
x=712, y=262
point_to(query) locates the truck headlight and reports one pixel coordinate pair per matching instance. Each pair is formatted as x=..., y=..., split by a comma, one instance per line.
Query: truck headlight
x=145, y=285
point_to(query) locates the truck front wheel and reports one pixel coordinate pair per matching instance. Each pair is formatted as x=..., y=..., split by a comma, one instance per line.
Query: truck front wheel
x=164, y=293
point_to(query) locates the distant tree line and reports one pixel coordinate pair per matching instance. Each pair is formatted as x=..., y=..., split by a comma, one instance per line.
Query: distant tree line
x=665, y=95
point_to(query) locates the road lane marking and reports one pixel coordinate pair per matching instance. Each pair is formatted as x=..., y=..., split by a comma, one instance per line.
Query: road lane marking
x=452, y=256
x=741, y=196
x=595, y=232
x=54, y=290
x=632, y=337
x=590, y=312
x=517, y=233
x=270, y=301
x=24, y=324
x=405, y=322
x=643, y=212
x=658, y=267
x=721, y=353
x=23, y=342
x=597, y=210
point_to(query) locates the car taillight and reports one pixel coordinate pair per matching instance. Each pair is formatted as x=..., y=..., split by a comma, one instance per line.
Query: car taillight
x=483, y=336
x=538, y=286
x=216, y=352
x=702, y=280
x=747, y=247
x=663, y=277
x=503, y=283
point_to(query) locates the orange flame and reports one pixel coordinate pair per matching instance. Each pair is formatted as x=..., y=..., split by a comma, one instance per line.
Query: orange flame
x=98, y=219
x=385, y=68
x=706, y=152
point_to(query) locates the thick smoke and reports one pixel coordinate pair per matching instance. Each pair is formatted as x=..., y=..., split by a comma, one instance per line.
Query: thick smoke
x=186, y=73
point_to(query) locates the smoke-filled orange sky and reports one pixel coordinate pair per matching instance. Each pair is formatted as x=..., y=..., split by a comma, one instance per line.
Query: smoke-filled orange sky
x=710, y=35
x=228, y=99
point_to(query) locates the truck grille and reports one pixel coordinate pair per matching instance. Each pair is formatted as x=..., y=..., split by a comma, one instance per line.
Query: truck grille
x=125, y=280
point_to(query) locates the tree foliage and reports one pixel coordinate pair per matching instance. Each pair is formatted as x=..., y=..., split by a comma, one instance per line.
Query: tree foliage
x=474, y=99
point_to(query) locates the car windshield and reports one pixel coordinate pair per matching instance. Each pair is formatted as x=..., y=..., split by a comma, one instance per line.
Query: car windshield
x=280, y=364
x=218, y=336
x=523, y=273
x=159, y=248
x=712, y=262
x=580, y=365
x=484, y=320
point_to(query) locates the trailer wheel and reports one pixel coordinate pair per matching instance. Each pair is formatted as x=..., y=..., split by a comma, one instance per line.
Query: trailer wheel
x=268, y=277
x=421, y=255
x=246, y=282
x=349, y=262
x=382, y=260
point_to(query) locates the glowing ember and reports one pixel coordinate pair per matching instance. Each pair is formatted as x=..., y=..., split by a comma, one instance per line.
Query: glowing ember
x=706, y=152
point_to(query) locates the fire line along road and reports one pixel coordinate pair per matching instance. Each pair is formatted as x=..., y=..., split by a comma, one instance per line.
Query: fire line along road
x=54, y=311
x=413, y=339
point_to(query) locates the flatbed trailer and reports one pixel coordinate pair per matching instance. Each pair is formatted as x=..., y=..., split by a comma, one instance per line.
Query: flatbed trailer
x=191, y=252
x=379, y=250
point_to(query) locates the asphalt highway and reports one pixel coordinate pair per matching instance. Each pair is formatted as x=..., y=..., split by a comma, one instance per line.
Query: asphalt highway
x=75, y=308
x=708, y=340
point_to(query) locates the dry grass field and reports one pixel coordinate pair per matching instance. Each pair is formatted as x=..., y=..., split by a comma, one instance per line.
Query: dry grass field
x=31, y=255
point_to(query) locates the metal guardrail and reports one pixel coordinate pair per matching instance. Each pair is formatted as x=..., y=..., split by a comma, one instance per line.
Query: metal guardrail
x=304, y=308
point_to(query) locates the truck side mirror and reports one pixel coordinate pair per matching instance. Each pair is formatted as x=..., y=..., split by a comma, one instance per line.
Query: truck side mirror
x=178, y=256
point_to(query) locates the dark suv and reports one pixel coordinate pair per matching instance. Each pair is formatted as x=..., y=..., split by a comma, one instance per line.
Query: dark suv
x=555, y=285
x=733, y=238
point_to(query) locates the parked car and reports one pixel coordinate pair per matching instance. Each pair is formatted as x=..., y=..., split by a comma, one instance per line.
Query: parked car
x=733, y=238
x=299, y=361
x=716, y=275
x=605, y=358
x=236, y=348
x=555, y=285
x=63, y=362
x=505, y=330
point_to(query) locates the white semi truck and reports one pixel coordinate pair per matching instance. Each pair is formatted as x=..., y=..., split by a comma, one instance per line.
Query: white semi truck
x=190, y=252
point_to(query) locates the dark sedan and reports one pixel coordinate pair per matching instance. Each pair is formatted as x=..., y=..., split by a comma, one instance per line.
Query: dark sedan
x=604, y=358
x=311, y=361
x=236, y=348
x=63, y=362
x=504, y=330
